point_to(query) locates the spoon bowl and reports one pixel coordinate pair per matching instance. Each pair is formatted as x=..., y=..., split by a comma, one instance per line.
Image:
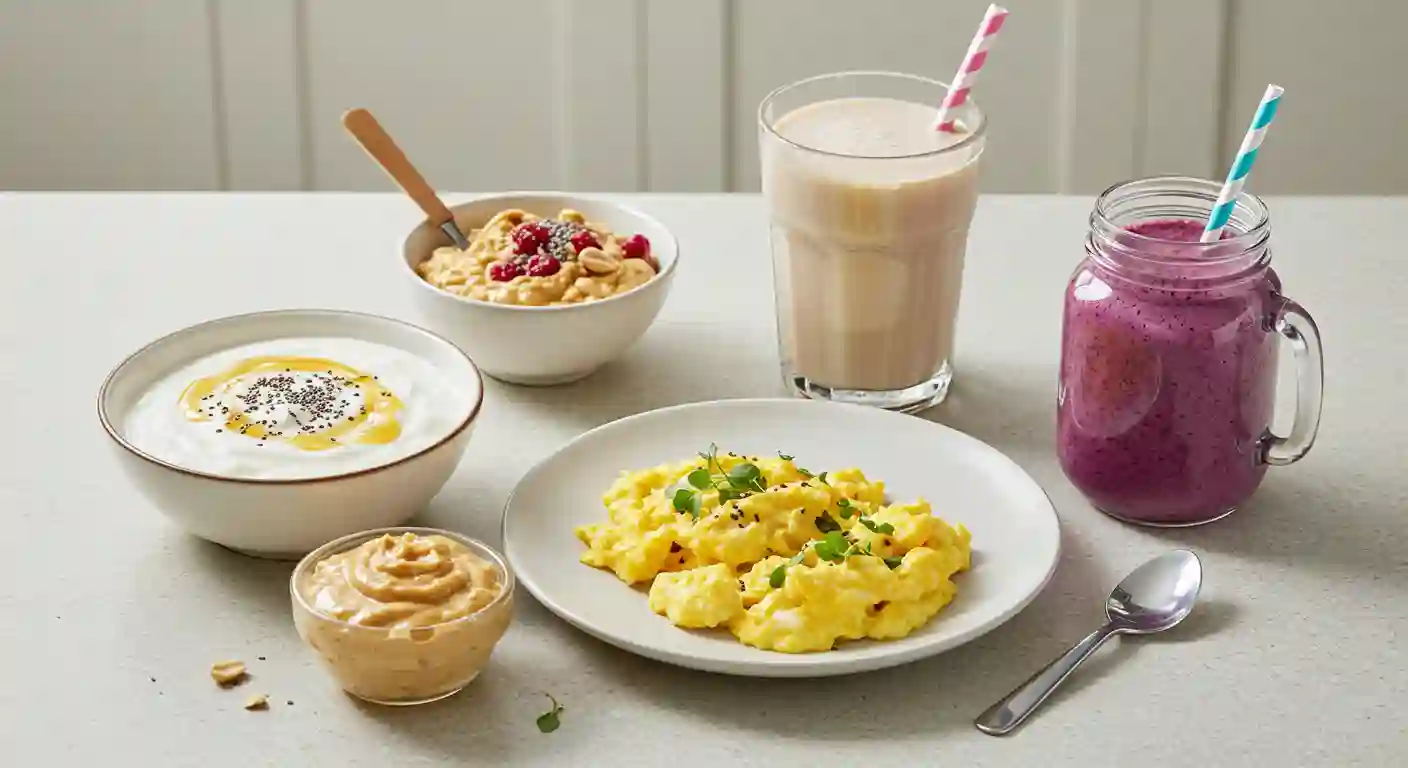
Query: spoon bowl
x=1158, y=594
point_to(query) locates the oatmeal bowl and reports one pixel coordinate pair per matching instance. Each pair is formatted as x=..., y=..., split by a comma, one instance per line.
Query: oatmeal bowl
x=271, y=433
x=403, y=616
x=552, y=287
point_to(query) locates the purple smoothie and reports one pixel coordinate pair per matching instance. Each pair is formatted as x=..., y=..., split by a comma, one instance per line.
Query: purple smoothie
x=1168, y=375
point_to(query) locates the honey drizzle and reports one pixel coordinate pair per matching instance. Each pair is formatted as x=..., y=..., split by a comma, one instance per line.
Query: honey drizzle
x=376, y=399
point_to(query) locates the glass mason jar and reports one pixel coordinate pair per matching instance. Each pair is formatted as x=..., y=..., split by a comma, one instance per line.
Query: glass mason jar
x=1169, y=357
x=869, y=208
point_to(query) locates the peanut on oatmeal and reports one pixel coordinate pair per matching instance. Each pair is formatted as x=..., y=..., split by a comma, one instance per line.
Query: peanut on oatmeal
x=519, y=258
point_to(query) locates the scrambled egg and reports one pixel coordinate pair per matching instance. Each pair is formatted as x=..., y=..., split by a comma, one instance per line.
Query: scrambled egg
x=784, y=559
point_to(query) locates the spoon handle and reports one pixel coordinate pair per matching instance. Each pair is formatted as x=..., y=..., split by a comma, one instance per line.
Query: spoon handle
x=383, y=149
x=1004, y=716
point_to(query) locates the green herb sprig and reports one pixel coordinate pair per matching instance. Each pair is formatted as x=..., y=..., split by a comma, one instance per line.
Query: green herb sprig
x=882, y=528
x=833, y=547
x=803, y=472
x=743, y=480
x=550, y=720
x=778, y=577
x=847, y=511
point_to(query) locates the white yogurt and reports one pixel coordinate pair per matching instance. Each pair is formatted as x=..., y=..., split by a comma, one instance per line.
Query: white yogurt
x=292, y=409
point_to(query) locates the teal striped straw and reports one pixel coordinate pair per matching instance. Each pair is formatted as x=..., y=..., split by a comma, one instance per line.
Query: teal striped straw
x=1237, y=176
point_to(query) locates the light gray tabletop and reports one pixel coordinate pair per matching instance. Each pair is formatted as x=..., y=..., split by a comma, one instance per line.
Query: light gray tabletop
x=111, y=616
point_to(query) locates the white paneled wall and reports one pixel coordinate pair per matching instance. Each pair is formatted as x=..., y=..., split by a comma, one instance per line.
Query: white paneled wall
x=107, y=96
x=662, y=94
x=1345, y=65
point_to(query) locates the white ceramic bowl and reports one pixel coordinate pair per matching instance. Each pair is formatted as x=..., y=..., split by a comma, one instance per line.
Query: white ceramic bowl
x=542, y=345
x=286, y=518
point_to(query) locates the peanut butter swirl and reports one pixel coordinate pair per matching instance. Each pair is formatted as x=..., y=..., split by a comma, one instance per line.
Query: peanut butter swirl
x=402, y=581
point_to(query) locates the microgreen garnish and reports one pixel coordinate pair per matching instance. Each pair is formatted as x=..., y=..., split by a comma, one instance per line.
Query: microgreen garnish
x=711, y=458
x=700, y=479
x=779, y=574
x=825, y=524
x=875, y=527
x=822, y=478
x=743, y=480
x=686, y=500
x=846, y=510
x=801, y=471
x=746, y=477
x=833, y=546
x=550, y=720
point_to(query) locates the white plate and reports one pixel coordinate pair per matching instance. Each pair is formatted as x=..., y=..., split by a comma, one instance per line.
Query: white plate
x=1016, y=537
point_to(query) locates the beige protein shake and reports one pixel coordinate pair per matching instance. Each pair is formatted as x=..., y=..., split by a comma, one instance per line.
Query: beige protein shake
x=870, y=208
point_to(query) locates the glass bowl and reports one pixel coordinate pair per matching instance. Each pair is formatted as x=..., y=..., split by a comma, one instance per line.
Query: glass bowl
x=391, y=655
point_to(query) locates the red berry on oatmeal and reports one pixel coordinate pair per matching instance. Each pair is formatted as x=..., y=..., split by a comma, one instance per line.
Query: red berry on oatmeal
x=636, y=247
x=529, y=237
x=584, y=239
x=503, y=271
x=543, y=265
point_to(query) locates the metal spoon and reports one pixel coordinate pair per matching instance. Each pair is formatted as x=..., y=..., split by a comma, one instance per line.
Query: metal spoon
x=378, y=143
x=1155, y=597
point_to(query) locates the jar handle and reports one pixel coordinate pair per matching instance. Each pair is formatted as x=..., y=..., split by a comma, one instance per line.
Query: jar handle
x=1298, y=327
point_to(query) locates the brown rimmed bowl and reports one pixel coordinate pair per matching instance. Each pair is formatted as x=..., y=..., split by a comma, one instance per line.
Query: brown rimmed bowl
x=286, y=518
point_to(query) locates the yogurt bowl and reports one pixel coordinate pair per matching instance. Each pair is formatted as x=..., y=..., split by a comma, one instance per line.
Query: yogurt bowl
x=559, y=341
x=273, y=432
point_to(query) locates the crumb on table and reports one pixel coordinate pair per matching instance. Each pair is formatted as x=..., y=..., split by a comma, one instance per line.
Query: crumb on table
x=228, y=673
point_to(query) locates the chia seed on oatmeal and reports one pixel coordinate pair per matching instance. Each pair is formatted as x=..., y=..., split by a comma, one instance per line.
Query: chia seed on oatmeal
x=560, y=240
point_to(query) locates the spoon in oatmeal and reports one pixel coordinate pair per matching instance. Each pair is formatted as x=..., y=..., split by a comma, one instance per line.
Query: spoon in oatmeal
x=378, y=143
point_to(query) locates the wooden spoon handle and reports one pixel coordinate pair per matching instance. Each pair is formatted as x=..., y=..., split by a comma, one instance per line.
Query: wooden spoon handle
x=382, y=148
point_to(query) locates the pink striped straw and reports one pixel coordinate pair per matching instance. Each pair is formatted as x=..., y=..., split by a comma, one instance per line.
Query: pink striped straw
x=972, y=62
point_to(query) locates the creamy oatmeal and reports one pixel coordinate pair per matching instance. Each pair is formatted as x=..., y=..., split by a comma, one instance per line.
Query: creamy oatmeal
x=296, y=408
x=519, y=258
x=403, y=617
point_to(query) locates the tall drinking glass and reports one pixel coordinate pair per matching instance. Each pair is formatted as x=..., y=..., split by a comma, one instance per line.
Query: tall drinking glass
x=869, y=208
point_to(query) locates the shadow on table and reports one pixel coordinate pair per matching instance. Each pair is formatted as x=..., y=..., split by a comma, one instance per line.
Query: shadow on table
x=1009, y=407
x=1291, y=521
x=1012, y=408
x=944, y=693
x=474, y=725
x=212, y=573
x=1207, y=619
x=672, y=364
